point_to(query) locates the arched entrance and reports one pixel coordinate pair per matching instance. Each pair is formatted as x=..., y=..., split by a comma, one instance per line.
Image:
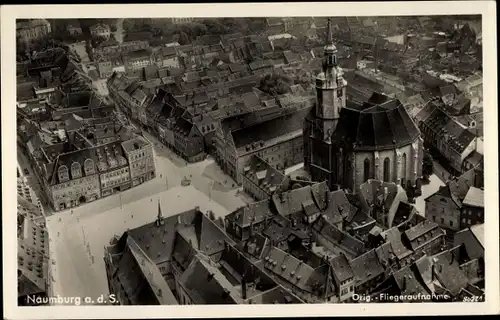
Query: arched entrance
x=82, y=199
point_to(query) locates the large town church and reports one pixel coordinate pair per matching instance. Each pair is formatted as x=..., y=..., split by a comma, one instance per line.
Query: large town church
x=346, y=145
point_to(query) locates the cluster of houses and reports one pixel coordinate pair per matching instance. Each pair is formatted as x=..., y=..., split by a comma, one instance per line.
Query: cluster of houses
x=302, y=245
x=77, y=147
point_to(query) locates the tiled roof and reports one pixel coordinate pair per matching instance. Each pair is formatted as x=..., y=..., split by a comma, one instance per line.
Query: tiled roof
x=448, y=272
x=115, y=158
x=265, y=131
x=255, y=245
x=338, y=207
x=288, y=268
x=404, y=213
x=478, y=231
x=448, y=89
x=156, y=106
x=183, y=126
x=339, y=237
x=366, y=266
x=377, y=127
x=139, y=54
x=267, y=176
x=420, y=229
x=290, y=203
x=393, y=236
x=341, y=268
x=158, y=241
x=373, y=191
x=152, y=275
x=211, y=238
x=409, y=282
x=320, y=194
x=256, y=212
x=279, y=295
x=205, y=284
x=472, y=239
x=473, y=270
x=456, y=189
x=474, y=197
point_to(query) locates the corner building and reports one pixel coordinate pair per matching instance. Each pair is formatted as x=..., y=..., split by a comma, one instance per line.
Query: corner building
x=347, y=144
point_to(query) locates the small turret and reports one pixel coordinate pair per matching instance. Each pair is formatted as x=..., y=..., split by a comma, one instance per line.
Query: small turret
x=159, y=218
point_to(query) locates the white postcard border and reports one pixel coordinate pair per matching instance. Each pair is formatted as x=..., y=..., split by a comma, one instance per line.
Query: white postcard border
x=10, y=13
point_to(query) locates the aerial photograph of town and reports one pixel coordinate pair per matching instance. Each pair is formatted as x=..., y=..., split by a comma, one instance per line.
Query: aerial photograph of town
x=279, y=160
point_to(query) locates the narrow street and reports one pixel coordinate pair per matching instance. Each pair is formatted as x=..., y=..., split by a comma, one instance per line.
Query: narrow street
x=428, y=189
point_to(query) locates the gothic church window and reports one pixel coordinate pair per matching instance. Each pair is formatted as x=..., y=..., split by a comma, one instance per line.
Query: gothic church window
x=366, y=169
x=403, y=174
x=387, y=170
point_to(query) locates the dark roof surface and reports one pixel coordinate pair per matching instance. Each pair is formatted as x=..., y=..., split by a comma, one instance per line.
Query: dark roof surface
x=268, y=130
x=376, y=127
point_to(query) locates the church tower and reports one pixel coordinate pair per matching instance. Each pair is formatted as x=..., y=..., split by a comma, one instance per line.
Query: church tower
x=330, y=90
x=323, y=159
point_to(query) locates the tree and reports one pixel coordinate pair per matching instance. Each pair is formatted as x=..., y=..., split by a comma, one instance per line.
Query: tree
x=214, y=27
x=427, y=165
x=211, y=215
x=183, y=38
x=128, y=24
x=275, y=84
x=256, y=25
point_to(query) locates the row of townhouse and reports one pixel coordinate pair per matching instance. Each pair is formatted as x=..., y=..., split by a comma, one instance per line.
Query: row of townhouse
x=162, y=115
x=451, y=139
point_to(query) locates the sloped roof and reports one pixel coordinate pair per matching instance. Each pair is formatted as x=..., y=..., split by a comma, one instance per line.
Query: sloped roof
x=152, y=274
x=288, y=268
x=393, y=236
x=366, y=266
x=256, y=212
x=448, y=272
x=339, y=237
x=265, y=131
x=474, y=197
x=379, y=126
x=373, y=190
x=341, y=268
x=267, y=176
x=205, y=284
x=420, y=229
x=289, y=203
x=409, y=282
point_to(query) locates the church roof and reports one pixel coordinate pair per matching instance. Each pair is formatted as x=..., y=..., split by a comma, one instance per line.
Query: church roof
x=382, y=123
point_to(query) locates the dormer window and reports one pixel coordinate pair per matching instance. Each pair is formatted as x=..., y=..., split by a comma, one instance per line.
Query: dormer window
x=63, y=173
x=76, y=170
x=89, y=167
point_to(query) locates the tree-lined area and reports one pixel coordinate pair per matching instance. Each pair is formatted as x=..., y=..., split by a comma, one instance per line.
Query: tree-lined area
x=188, y=32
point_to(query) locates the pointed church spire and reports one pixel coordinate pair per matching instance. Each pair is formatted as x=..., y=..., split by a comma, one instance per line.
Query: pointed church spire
x=329, y=37
x=159, y=218
x=330, y=50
